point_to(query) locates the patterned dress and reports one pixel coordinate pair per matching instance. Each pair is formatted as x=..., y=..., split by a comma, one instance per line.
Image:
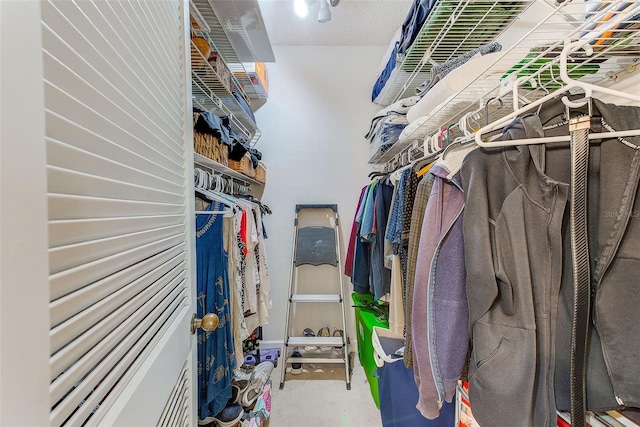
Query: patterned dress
x=216, y=359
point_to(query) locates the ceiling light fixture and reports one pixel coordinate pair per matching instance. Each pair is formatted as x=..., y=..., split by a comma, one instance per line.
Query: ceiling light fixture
x=301, y=8
x=324, y=14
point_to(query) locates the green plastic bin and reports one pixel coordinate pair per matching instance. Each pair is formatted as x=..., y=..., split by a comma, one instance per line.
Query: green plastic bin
x=365, y=321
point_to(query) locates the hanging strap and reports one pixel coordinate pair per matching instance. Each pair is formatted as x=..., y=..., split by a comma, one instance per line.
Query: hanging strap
x=579, y=128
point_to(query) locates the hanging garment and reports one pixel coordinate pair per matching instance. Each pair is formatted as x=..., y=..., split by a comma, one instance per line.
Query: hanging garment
x=216, y=359
x=362, y=251
x=518, y=288
x=380, y=275
x=417, y=216
x=348, y=263
x=394, y=226
x=255, y=311
x=389, y=251
x=411, y=186
x=396, y=302
x=252, y=277
x=440, y=334
x=392, y=238
x=231, y=228
x=367, y=223
x=264, y=295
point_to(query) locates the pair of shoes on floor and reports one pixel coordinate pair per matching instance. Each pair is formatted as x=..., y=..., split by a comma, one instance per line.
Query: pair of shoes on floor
x=240, y=382
x=296, y=368
x=246, y=391
x=228, y=417
x=339, y=333
x=323, y=332
x=308, y=333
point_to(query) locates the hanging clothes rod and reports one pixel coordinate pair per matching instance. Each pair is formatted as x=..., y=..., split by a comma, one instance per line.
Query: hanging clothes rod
x=224, y=213
x=432, y=148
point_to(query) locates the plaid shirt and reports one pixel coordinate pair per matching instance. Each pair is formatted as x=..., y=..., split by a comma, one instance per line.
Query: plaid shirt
x=418, y=208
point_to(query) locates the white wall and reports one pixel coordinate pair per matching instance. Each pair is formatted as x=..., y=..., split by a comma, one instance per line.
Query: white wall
x=313, y=128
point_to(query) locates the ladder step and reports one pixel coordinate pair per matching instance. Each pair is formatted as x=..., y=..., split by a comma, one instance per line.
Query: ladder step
x=316, y=298
x=313, y=360
x=317, y=341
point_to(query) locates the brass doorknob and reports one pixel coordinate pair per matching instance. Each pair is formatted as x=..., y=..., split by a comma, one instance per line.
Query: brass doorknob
x=208, y=322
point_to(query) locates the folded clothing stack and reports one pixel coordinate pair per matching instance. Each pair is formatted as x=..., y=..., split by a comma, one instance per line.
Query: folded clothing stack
x=220, y=127
x=387, y=125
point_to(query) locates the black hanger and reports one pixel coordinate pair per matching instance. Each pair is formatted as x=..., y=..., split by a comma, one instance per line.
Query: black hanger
x=373, y=175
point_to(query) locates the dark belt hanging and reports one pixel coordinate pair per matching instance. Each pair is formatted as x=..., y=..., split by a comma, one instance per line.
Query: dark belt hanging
x=579, y=129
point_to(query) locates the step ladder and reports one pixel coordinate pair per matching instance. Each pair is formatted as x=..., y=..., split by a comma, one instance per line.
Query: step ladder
x=316, y=281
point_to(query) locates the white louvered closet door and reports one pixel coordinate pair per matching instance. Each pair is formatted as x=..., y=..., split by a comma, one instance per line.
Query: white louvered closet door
x=116, y=141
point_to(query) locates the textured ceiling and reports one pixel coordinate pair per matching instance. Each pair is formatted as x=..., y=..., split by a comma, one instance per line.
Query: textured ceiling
x=353, y=22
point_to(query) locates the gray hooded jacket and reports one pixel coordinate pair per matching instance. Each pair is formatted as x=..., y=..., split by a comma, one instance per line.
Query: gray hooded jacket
x=519, y=279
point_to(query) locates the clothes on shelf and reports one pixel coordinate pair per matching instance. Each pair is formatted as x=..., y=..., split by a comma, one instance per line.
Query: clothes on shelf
x=429, y=38
x=388, y=124
x=233, y=282
x=401, y=42
x=478, y=246
x=208, y=123
x=449, y=82
x=440, y=71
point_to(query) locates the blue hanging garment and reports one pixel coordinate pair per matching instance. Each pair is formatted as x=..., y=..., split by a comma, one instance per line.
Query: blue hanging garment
x=216, y=359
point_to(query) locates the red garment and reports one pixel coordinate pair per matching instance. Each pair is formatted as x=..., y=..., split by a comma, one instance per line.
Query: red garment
x=348, y=263
x=243, y=232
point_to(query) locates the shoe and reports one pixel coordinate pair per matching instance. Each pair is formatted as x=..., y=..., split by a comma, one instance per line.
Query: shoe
x=259, y=378
x=228, y=417
x=238, y=387
x=325, y=332
x=243, y=372
x=240, y=382
x=296, y=368
x=338, y=333
x=309, y=333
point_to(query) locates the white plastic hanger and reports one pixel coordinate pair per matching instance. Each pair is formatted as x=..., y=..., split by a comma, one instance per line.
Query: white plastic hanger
x=569, y=84
x=202, y=184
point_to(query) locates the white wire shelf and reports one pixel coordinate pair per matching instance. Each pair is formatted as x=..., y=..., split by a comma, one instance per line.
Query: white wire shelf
x=212, y=95
x=610, y=27
x=209, y=93
x=247, y=89
x=207, y=163
x=452, y=28
x=253, y=47
x=237, y=29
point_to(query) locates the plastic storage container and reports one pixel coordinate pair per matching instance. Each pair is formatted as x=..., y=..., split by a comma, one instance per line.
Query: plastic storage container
x=265, y=355
x=365, y=321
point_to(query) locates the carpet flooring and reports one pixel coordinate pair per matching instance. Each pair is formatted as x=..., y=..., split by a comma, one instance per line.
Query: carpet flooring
x=319, y=398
